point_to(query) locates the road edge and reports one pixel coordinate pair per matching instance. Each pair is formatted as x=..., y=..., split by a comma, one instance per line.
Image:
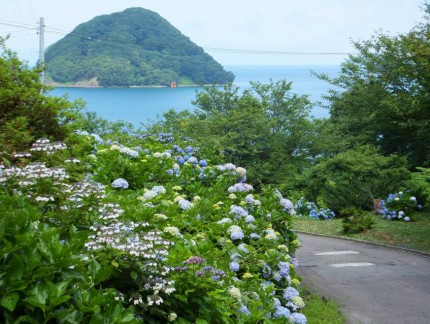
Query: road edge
x=400, y=249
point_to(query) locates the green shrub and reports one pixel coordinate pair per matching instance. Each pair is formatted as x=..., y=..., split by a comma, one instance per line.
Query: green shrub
x=354, y=177
x=356, y=220
x=420, y=185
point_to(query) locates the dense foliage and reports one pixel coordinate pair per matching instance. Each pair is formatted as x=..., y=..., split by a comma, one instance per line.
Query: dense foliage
x=266, y=129
x=26, y=113
x=135, y=47
x=355, y=177
x=144, y=232
x=382, y=95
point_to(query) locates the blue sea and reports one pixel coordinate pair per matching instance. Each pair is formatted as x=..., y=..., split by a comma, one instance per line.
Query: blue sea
x=143, y=105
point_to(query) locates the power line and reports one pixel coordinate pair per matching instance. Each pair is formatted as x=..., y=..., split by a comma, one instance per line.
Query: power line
x=53, y=30
x=260, y=52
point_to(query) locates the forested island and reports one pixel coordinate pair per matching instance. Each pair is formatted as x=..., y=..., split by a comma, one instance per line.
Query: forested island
x=136, y=47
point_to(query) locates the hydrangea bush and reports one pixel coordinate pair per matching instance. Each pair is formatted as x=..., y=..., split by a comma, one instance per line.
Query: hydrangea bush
x=145, y=230
x=399, y=206
x=305, y=208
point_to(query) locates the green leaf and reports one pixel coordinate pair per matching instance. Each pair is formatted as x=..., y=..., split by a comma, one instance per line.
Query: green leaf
x=133, y=275
x=54, y=302
x=201, y=321
x=165, y=202
x=115, y=264
x=9, y=300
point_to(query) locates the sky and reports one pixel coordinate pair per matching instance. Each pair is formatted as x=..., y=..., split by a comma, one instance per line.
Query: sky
x=233, y=32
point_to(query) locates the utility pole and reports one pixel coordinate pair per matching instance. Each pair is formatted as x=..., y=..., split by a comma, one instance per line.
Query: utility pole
x=41, y=63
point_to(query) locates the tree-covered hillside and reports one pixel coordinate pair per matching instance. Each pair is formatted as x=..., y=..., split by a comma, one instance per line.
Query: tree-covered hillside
x=136, y=47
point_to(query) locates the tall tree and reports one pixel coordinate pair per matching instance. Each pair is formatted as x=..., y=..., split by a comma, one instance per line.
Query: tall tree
x=26, y=111
x=382, y=95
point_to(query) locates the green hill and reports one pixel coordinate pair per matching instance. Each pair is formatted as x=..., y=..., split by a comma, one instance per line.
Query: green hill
x=136, y=47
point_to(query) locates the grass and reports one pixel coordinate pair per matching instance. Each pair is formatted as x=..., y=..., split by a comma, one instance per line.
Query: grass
x=320, y=310
x=412, y=235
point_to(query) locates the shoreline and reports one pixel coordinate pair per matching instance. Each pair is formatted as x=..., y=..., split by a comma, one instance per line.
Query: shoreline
x=131, y=87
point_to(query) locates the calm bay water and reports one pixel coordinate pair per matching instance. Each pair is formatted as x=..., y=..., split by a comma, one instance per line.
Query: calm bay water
x=137, y=105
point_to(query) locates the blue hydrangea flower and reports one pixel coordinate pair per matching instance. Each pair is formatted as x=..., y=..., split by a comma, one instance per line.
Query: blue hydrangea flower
x=238, y=211
x=299, y=318
x=282, y=311
x=284, y=269
x=242, y=247
x=97, y=138
x=180, y=160
x=277, y=276
x=290, y=292
x=234, y=266
x=120, y=183
x=203, y=163
x=249, y=219
x=255, y=236
x=244, y=310
x=235, y=232
x=184, y=204
x=192, y=160
x=267, y=271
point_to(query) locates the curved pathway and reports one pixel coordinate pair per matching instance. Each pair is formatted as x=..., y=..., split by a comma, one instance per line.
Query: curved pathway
x=370, y=283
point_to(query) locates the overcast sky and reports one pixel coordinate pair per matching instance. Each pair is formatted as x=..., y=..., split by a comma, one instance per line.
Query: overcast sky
x=309, y=26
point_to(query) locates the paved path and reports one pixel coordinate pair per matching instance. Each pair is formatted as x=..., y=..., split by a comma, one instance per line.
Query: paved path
x=371, y=284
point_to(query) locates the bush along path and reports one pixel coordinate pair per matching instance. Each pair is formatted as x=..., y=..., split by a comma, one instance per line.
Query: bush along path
x=141, y=230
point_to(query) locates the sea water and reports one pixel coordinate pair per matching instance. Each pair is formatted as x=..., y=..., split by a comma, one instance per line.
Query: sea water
x=144, y=105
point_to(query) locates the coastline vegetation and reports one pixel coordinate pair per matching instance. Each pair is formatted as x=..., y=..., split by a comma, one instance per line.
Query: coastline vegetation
x=136, y=47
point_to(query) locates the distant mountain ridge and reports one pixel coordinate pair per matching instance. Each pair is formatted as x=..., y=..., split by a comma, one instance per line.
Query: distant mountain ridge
x=135, y=47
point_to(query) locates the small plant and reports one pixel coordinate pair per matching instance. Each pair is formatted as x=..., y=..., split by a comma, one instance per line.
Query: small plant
x=355, y=220
x=399, y=206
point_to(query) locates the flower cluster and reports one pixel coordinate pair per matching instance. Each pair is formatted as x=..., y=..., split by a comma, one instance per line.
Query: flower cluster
x=398, y=206
x=305, y=208
x=120, y=183
x=240, y=187
x=205, y=232
x=45, y=145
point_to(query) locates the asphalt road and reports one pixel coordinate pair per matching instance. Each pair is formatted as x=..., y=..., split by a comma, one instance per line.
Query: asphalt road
x=371, y=284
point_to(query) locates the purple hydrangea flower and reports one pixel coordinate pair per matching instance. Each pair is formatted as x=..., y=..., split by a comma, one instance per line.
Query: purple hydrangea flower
x=287, y=204
x=194, y=260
